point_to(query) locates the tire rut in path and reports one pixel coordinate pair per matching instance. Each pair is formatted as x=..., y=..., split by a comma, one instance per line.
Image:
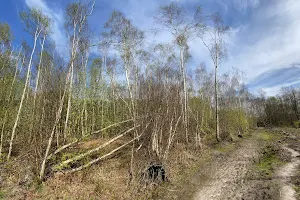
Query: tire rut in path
x=227, y=177
x=287, y=192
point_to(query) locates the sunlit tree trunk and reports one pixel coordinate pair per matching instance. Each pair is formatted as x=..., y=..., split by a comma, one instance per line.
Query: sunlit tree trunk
x=8, y=100
x=70, y=83
x=216, y=102
x=57, y=119
x=36, y=35
x=185, y=95
x=36, y=87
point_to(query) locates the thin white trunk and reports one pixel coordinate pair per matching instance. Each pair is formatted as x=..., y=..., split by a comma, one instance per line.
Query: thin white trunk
x=216, y=101
x=171, y=138
x=36, y=87
x=102, y=157
x=80, y=139
x=79, y=157
x=36, y=35
x=57, y=118
x=84, y=127
x=8, y=99
x=70, y=83
x=185, y=95
x=129, y=88
x=39, y=71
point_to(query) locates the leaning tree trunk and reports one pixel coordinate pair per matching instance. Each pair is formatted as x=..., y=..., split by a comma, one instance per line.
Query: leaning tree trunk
x=36, y=35
x=8, y=101
x=57, y=119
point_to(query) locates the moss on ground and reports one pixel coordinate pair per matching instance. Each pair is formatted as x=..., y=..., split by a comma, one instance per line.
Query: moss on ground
x=297, y=189
x=267, y=165
x=265, y=135
x=225, y=148
x=2, y=195
x=270, y=158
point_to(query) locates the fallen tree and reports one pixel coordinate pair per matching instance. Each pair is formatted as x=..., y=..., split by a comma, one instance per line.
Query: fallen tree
x=79, y=157
x=80, y=139
x=102, y=157
x=90, y=152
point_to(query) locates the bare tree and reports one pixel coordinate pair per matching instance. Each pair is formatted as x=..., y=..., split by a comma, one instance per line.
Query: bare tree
x=34, y=20
x=77, y=14
x=4, y=120
x=45, y=30
x=126, y=38
x=215, y=41
x=175, y=19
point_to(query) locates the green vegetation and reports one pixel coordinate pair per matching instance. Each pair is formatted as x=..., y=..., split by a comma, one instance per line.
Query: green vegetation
x=282, y=110
x=2, y=195
x=268, y=164
x=225, y=148
x=297, y=124
x=49, y=105
x=297, y=189
x=265, y=135
x=270, y=158
x=141, y=101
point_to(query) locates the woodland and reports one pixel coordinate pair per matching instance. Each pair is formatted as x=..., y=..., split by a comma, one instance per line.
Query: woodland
x=136, y=99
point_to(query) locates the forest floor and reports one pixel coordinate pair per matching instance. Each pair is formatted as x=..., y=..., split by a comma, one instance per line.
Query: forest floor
x=264, y=164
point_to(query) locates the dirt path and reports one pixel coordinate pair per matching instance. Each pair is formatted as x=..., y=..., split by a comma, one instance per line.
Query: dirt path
x=227, y=178
x=285, y=173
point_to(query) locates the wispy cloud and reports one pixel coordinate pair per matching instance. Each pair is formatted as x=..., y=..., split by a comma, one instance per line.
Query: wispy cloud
x=273, y=91
x=264, y=35
x=269, y=41
x=57, y=17
x=243, y=5
x=273, y=80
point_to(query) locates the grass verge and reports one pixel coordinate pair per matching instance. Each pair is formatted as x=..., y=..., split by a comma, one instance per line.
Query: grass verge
x=270, y=158
x=268, y=163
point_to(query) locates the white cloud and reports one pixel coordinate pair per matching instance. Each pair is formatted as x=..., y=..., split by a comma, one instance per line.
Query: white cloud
x=243, y=5
x=272, y=91
x=267, y=38
x=57, y=18
x=269, y=41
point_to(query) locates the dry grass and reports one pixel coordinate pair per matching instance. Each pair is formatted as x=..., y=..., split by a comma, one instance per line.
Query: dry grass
x=109, y=179
x=103, y=181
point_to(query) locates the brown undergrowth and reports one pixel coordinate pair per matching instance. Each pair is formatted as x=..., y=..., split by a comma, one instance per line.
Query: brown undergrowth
x=105, y=180
x=108, y=179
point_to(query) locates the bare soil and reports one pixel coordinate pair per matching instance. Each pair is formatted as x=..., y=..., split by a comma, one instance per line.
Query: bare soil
x=261, y=168
x=227, y=176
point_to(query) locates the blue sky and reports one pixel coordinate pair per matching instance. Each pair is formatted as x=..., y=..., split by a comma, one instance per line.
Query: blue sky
x=264, y=40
